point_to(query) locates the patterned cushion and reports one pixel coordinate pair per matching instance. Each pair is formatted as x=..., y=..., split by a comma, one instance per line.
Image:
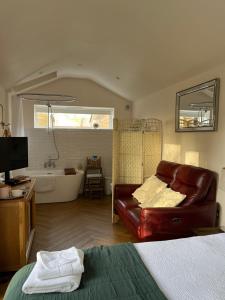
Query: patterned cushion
x=166, y=198
x=149, y=189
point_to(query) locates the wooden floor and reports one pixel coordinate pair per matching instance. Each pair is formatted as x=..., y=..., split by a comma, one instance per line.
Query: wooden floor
x=82, y=223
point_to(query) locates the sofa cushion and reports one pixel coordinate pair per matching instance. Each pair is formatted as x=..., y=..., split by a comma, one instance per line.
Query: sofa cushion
x=166, y=198
x=193, y=182
x=166, y=171
x=149, y=189
x=125, y=203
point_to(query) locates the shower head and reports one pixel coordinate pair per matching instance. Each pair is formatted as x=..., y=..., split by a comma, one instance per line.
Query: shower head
x=47, y=98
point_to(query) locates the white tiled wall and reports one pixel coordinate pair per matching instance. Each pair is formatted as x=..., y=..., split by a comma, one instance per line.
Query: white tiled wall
x=74, y=146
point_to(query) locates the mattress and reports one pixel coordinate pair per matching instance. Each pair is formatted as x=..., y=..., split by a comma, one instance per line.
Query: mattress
x=184, y=269
x=187, y=269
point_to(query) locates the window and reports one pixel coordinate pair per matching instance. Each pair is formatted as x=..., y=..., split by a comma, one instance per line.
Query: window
x=73, y=117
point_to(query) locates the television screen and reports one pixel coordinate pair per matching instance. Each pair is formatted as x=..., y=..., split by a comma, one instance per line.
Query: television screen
x=13, y=153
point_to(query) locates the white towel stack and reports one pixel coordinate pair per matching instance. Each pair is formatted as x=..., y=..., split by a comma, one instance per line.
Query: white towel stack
x=58, y=271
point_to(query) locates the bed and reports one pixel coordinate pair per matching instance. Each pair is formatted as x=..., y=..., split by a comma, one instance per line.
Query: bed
x=184, y=269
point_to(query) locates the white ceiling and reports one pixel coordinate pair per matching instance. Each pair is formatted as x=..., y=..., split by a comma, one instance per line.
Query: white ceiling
x=149, y=44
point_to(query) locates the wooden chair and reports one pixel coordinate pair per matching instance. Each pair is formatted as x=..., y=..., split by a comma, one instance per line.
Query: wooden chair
x=94, y=180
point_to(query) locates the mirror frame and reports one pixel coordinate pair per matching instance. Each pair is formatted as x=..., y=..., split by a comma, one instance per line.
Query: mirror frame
x=215, y=83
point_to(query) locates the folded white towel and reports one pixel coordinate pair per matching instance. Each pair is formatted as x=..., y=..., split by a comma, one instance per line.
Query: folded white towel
x=58, y=271
x=60, y=263
x=61, y=284
x=54, y=258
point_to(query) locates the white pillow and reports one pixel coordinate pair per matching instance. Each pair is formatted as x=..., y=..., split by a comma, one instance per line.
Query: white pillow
x=149, y=189
x=165, y=198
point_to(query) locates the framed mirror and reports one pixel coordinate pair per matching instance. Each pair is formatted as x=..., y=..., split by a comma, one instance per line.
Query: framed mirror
x=197, y=107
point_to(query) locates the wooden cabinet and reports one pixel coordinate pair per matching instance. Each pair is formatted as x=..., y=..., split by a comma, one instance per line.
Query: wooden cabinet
x=17, y=226
x=208, y=230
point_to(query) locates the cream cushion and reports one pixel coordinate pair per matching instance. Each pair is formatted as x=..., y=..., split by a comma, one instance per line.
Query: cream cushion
x=149, y=189
x=165, y=198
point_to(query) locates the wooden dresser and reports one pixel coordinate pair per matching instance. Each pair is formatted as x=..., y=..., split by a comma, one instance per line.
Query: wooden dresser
x=17, y=226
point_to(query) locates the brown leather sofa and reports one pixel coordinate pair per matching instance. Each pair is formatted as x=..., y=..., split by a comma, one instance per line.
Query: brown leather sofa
x=197, y=210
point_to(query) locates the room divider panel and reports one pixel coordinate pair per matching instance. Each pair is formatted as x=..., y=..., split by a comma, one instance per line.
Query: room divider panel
x=137, y=150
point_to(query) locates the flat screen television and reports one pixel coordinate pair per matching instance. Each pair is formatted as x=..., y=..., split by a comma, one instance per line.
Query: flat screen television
x=13, y=154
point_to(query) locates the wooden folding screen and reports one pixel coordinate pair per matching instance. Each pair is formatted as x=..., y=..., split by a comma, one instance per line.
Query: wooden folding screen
x=137, y=150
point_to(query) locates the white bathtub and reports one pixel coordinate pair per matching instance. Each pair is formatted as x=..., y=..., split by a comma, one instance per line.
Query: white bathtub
x=54, y=186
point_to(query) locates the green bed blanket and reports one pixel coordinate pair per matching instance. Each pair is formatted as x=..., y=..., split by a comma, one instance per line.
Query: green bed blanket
x=111, y=273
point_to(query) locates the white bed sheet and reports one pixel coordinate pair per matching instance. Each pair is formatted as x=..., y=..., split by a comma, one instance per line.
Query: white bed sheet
x=187, y=269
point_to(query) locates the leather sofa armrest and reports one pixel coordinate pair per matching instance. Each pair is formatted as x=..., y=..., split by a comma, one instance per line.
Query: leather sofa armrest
x=124, y=190
x=183, y=217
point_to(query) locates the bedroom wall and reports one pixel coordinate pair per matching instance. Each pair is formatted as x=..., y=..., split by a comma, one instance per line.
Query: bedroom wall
x=205, y=149
x=74, y=145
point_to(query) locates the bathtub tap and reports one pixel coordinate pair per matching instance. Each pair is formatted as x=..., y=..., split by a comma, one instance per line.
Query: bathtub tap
x=50, y=163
